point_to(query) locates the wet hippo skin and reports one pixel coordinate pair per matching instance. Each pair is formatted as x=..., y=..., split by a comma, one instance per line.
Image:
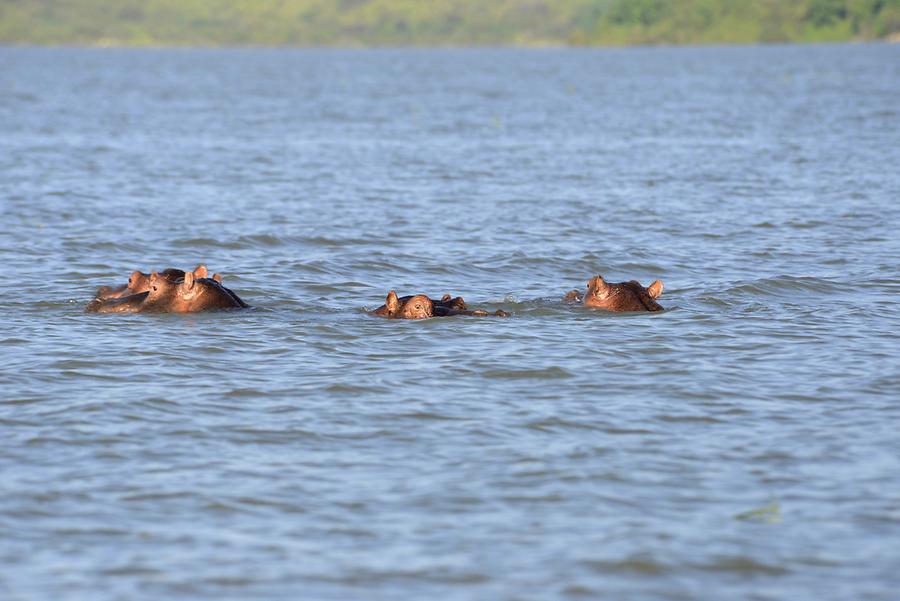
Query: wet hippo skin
x=420, y=306
x=126, y=304
x=165, y=294
x=189, y=295
x=140, y=282
x=620, y=298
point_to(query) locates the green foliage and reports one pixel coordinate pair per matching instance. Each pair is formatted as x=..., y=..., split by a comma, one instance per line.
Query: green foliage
x=637, y=12
x=457, y=22
x=767, y=514
x=822, y=13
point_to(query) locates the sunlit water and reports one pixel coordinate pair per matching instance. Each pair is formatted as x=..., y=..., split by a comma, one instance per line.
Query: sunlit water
x=742, y=444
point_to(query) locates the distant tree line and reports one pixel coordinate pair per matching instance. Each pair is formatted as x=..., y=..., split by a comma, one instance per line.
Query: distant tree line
x=722, y=21
x=450, y=22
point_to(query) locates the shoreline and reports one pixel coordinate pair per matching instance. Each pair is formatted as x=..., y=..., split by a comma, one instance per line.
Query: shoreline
x=116, y=45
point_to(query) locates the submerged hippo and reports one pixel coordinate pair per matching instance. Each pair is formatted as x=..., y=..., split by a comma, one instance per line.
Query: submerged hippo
x=166, y=295
x=622, y=297
x=189, y=295
x=420, y=306
x=140, y=282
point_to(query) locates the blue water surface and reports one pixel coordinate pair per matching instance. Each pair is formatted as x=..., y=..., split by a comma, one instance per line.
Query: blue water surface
x=743, y=444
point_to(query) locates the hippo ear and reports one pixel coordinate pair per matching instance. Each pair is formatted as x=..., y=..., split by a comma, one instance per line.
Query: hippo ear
x=392, y=303
x=595, y=282
x=188, y=280
x=655, y=289
x=135, y=278
x=217, y=277
x=200, y=271
x=446, y=298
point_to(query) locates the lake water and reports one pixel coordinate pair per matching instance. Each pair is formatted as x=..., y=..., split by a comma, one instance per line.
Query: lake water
x=742, y=444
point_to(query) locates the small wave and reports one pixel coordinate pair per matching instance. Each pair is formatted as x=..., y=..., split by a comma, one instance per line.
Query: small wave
x=638, y=563
x=335, y=287
x=742, y=565
x=260, y=436
x=784, y=284
x=193, y=242
x=259, y=240
x=239, y=393
x=337, y=242
x=130, y=570
x=426, y=416
x=551, y=424
x=355, y=389
x=702, y=419
x=805, y=225
x=22, y=97
x=549, y=373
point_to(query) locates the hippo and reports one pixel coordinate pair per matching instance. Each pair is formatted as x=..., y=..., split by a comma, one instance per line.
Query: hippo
x=140, y=282
x=440, y=308
x=165, y=295
x=189, y=295
x=417, y=306
x=622, y=297
x=420, y=306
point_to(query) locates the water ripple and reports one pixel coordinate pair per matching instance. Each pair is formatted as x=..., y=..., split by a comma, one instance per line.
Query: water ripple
x=561, y=452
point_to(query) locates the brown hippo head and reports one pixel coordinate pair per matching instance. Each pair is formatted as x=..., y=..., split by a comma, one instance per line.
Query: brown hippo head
x=188, y=295
x=625, y=296
x=410, y=307
x=174, y=275
x=420, y=306
x=448, y=305
x=449, y=302
x=140, y=282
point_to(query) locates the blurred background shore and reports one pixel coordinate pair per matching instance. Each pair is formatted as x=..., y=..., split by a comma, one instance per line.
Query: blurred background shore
x=352, y=23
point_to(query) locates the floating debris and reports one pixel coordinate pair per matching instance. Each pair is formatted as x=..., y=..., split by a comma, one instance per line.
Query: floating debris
x=767, y=514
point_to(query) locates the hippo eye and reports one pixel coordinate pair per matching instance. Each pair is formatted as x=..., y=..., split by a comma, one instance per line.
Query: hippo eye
x=155, y=289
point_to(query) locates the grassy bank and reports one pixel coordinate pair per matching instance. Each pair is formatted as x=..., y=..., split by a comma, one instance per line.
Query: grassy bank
x=450, y=22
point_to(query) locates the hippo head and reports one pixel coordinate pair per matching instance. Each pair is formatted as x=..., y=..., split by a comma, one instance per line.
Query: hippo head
x=597, y=289
x=200, y=271
x=415, y=307
x=169, y=294
x=625, y=296
x=138, y=282
x=455, y=303
x=174, y=275
x=189, y=294
x=161, y=289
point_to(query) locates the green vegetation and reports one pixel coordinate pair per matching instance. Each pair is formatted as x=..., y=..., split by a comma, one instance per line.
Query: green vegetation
x=449, y=22
x=730, y=21
x=767, y=514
